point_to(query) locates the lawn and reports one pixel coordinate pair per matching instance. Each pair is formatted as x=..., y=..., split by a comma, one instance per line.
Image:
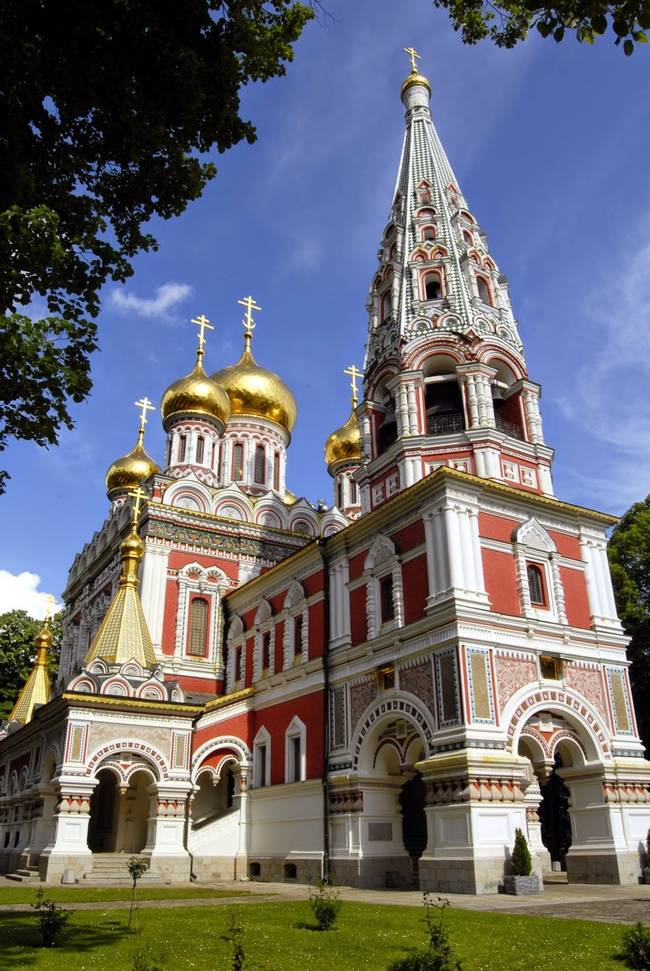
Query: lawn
x=279, y=937
x=26, y=894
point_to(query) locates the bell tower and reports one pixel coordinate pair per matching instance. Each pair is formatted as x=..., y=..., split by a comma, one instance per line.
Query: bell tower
x=446, y=381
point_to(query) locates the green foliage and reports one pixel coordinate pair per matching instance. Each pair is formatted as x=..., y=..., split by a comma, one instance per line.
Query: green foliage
x=144, y=960
x=521, y=862
x=629, y=560
x=137, y=867
x=17, y=653
x=51, y=918
x=84, y=171
x=325, y=903
x=507, y=22
x=635, y=947
x=235, y=937
x=438, y=954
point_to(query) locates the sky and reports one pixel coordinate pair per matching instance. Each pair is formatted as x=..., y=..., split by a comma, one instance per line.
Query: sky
x=550, y=144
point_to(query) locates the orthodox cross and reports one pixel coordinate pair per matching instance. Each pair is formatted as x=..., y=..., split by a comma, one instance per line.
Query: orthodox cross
x=203, y=324
x=145, y=405
x=248, y=322
x=354, y=373
x=413, y=54
x=49, y=607
x=139, y=496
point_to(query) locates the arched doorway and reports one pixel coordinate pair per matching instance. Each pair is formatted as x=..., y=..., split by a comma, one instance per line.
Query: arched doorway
x=119, y=814
x=554, y=816
x=412, y=799
x=214, y=797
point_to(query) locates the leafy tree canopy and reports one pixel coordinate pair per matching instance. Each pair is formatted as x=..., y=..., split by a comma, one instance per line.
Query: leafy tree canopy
x=17, y=653
x=106, y=110
x=507, y=22
x=629, y=557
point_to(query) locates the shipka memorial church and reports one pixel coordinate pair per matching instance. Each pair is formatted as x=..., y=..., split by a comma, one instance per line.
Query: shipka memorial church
x=383, y=690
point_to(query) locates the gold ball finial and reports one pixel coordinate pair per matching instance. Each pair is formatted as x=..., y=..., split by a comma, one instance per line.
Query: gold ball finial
x=136, y=466
x=196, y=393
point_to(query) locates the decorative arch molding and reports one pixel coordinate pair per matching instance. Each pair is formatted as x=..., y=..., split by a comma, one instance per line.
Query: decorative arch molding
x=235, y=629
x=534, y=536
x=191, y=487
x=264, y=612
x=423, y=351
x=397, y=703
x=494, y=357
x=381, y=550
x=210, y=583
x=563, y=701
x=133, y=747
x=244, y=754
x=295, y=595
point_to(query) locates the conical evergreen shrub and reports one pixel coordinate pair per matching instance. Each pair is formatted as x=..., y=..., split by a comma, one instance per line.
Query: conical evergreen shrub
x=521, y=862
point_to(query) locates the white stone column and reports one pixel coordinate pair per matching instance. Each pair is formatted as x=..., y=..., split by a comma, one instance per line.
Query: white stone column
x=152, y=591
x=166, y=832
x=366, y=437
x=69, y=848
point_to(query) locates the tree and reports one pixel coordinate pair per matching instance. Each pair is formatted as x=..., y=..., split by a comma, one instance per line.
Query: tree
x=507, y=22
x=629, y=558
x=17, y=653
x=107, y=111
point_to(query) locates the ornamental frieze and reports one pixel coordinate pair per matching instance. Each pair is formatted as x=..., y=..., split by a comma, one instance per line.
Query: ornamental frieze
x=235, y=545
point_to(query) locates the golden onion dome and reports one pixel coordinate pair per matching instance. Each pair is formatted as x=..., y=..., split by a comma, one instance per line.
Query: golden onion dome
x=128, y=472
x=344, y=445
x=290, y=498
x=195, y=394
x=415, y=78
x=257, y=392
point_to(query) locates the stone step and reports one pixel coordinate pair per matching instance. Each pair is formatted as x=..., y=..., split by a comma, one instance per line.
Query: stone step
x=23, y=876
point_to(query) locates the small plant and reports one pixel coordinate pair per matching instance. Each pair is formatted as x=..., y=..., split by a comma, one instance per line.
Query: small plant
x=137, y=866
x=521, y=862
x=635, y=947
x=143, y=960
x=438, y=954
x=647, y=849
x=235, y=938
x=325, y=904
x=51, y=918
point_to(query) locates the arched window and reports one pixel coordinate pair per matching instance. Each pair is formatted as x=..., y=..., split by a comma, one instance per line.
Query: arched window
x=259, y=474
x=238, y=663
x=483, y=290
x=276, y=471
x=467, y=236
x=429, y=232
x=536, y=585
x=297, y=635
x=387, y=603
x=432, y=287
x=200, y=449
x=238, y=461
x=339, y=493
x=386, y=304
x=198, y=627
x=353, y=492
x=182, y=448
x=387, y=432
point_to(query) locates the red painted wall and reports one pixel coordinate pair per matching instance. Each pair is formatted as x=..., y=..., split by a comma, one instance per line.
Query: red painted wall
x=276, y=720
x=501, y=582
x=575, y=597
x=416, y=588
x=409, y=537
x=496, y=527
x=568, y=546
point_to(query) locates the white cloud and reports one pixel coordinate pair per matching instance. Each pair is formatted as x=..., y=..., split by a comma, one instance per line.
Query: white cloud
x=167, y=296
x=20, y=592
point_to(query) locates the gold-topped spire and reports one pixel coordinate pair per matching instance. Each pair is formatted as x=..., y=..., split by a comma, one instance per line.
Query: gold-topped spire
x=37, y=689
x=123, y=634
x=203, y=324
x=136, y=466
x=414, y=77
x=248, y=322
x=354, y=373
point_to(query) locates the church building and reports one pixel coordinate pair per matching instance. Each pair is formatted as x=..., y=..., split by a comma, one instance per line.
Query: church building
x=383, y=690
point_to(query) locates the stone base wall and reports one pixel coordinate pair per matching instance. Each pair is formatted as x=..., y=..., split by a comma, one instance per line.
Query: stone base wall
x=170, y=869
x=383, y=872
x=10, y=860
x=618, y=869
x=462, y=875
x=211, y=868
x=273, y=869
x=52, y=867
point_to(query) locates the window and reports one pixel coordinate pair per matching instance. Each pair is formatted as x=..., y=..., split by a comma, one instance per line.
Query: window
x=432, y=287
x=238, y=663
x=276, y=471
x=386, y=304
x=200, y=449
x=238, y=461
x=483, y=290
x=261, y=760
x=296, y=758
x=259, y=474
x=266, y=651
x=198, y=627
x=536, y=585
x=551, y=667
x=354, y=492
x=387, y=604
x=297, y=635
x=429, y=232
x=339, y=493
x=295, y=751
x=467, y=236
x=182, y=448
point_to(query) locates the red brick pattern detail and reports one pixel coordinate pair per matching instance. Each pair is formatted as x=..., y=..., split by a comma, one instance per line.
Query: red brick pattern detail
x=360, y=697
x=512, y=674
x=589, y=683
x=419, y=681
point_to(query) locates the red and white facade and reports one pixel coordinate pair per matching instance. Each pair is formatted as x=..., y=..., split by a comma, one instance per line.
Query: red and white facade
x=384, y=697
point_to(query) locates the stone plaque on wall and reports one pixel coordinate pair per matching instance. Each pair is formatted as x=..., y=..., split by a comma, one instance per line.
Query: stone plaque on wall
x=380, y=832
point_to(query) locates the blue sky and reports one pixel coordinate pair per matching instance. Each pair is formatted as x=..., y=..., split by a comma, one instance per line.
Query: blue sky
x=550, y=144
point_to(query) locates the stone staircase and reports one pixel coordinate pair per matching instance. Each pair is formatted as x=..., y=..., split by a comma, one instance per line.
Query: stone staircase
x=112, y=870
x=27, y=875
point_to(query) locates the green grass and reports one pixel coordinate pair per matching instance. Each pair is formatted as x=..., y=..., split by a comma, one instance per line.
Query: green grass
x=280, y=937
x=70, y=895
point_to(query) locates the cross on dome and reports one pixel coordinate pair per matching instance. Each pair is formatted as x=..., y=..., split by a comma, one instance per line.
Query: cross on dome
x=248, y=323
x=203, y=324
x=354, y=373
x=413, y=54
x=145, y=405
x=139, y=495
x=49, y=607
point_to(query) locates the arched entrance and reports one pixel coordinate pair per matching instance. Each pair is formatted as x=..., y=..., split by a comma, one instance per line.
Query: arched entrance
x=412, y=799
x=554, y=816
x=119, y=813
x=215, y=796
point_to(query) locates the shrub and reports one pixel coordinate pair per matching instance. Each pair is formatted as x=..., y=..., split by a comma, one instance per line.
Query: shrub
x=522, y=865
x=143, y=960
x=235, y=938
x=438, y=955
x=137, y=867
x=635, y=947
x=51, y=918
x=325, y=905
